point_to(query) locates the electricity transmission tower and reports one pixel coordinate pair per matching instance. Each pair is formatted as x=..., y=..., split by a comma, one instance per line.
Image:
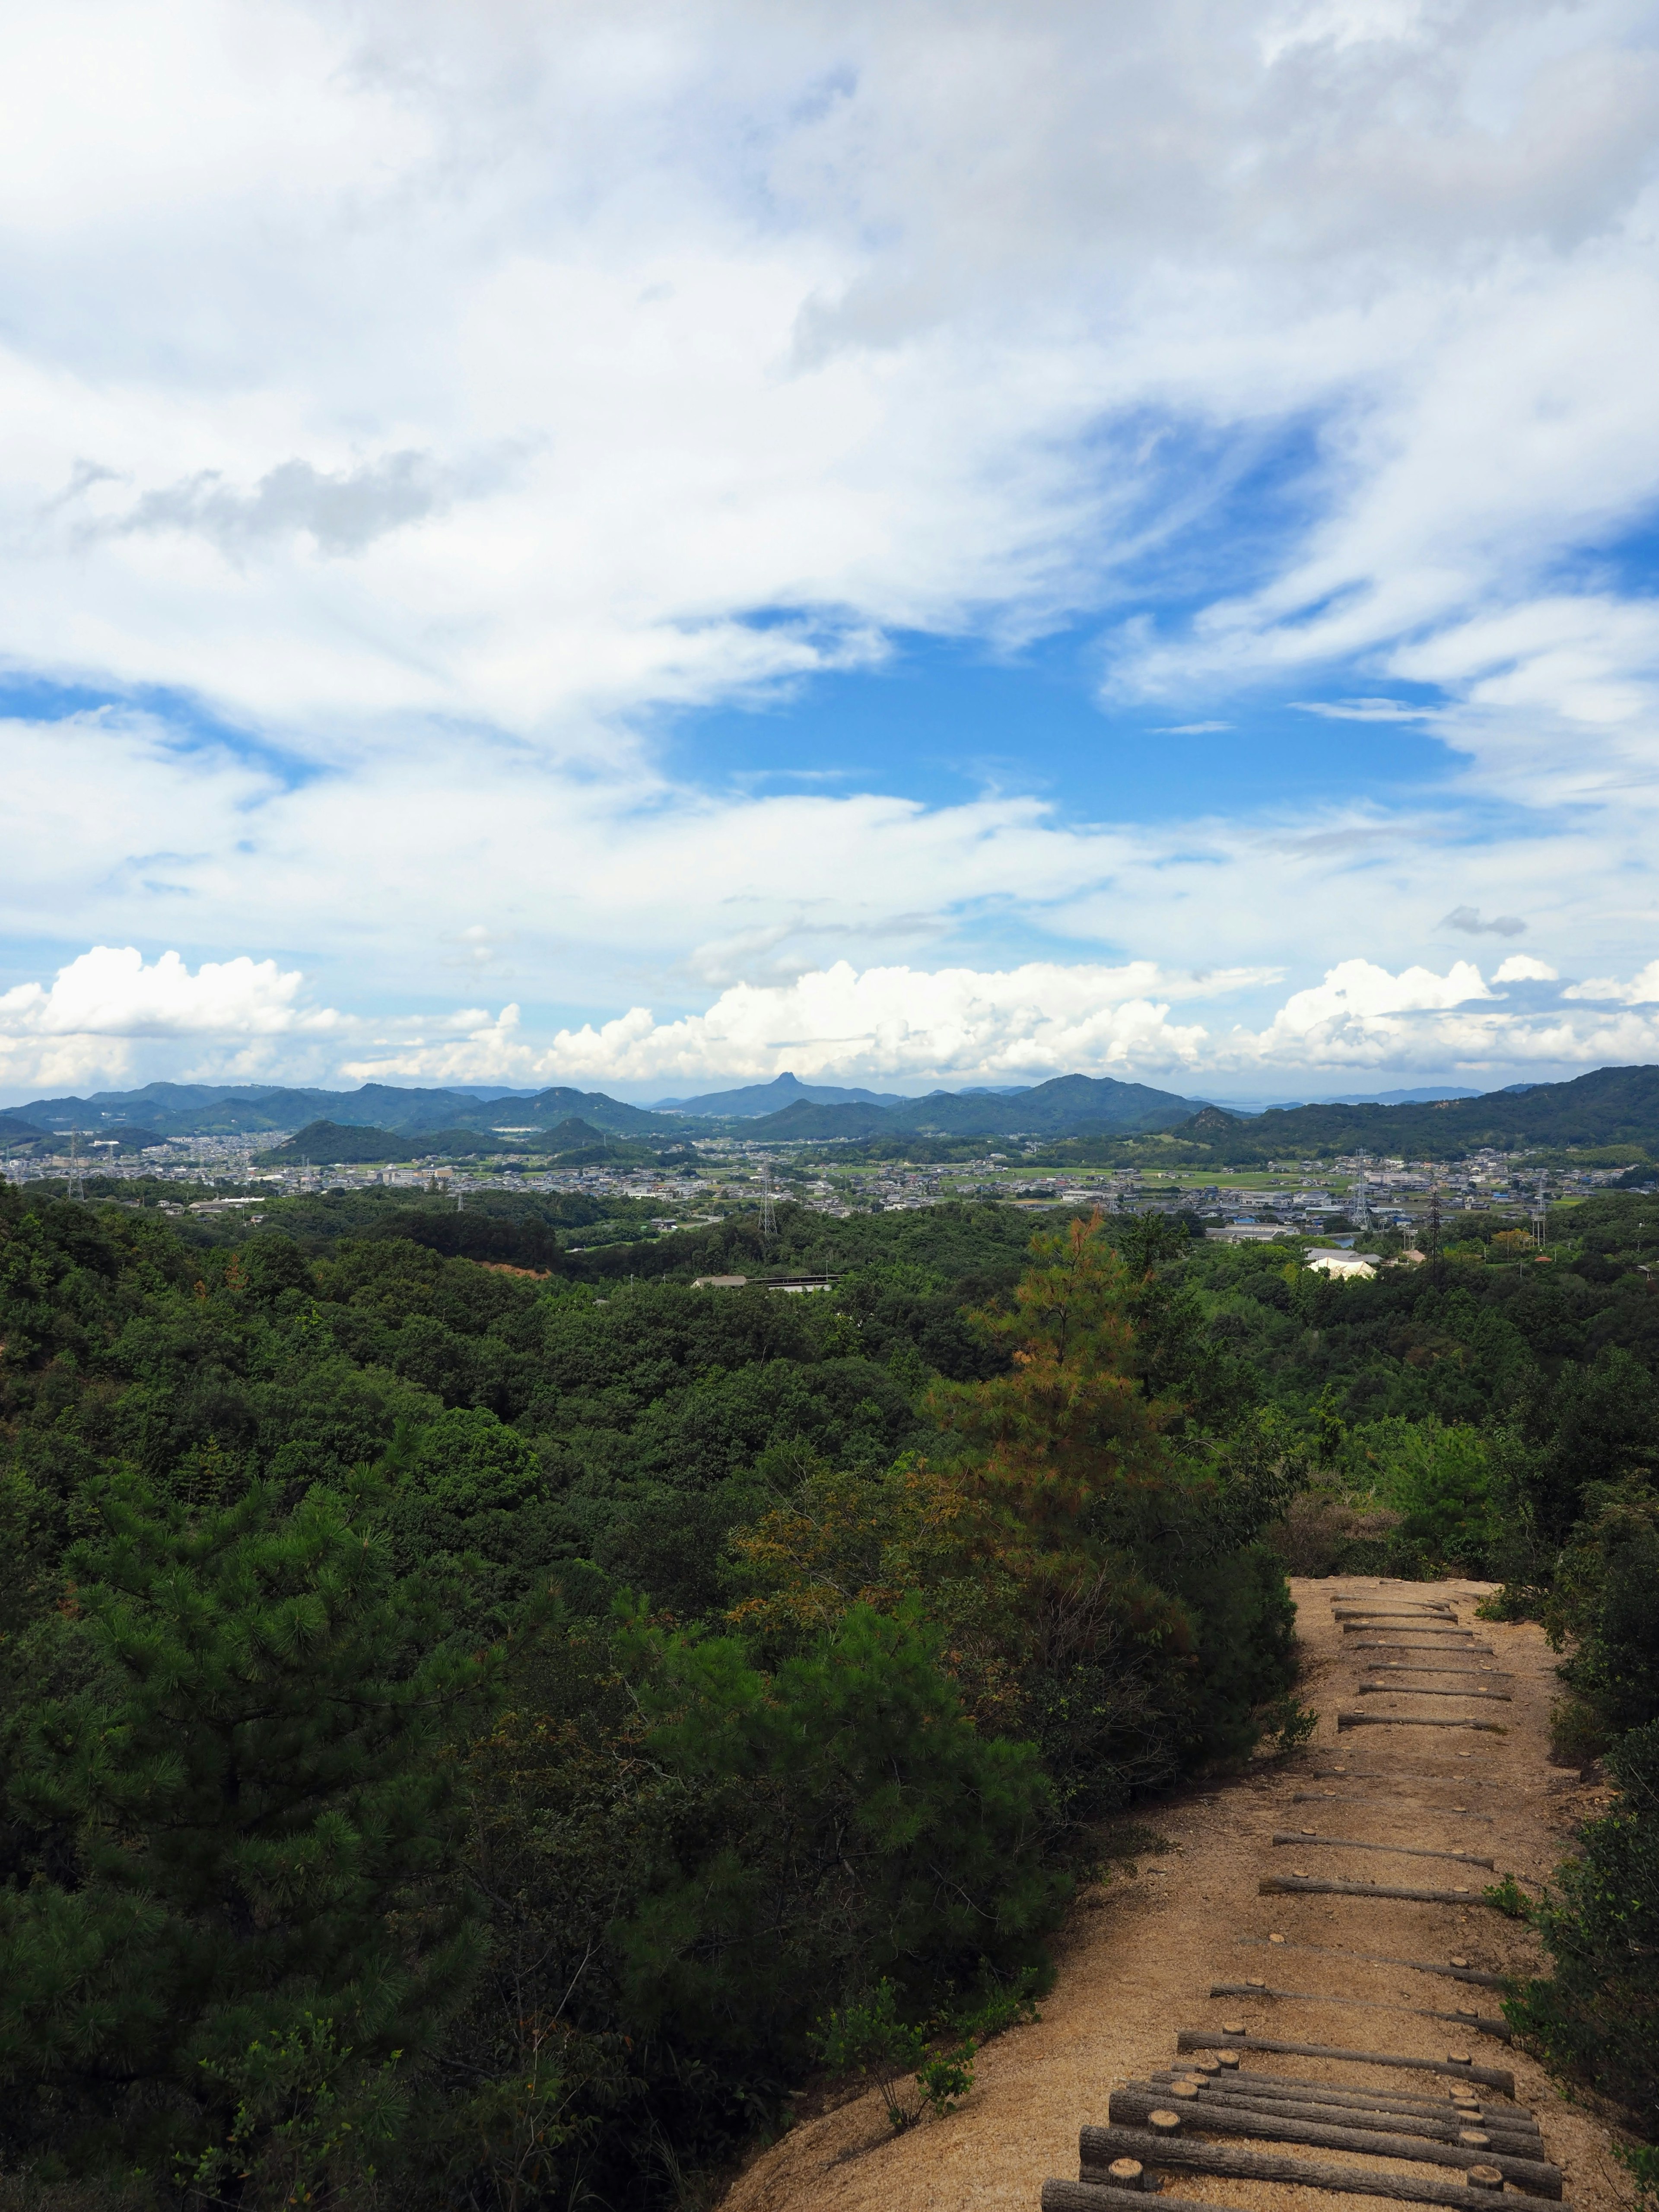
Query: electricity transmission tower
x=768, y=1221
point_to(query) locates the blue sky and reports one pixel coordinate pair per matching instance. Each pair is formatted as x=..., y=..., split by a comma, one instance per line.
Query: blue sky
x=645, y=548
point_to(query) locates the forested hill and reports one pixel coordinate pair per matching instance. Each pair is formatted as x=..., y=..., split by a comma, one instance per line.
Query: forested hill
x=175, y=1110
x=1610, y=1106
x=467, y=1736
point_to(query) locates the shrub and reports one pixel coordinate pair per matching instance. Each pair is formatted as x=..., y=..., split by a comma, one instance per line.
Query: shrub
x=1597, y=2017
x=1603, y=1605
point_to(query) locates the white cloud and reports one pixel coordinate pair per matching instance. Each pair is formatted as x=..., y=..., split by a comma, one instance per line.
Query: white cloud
x=1361, y=710
x=1358, y=1001
x=957, y=1025
x=759, y=318
x=452, y=411
x=1642, y=990
x=1038, y=1020
x=109, y=1011
x=83, y=1024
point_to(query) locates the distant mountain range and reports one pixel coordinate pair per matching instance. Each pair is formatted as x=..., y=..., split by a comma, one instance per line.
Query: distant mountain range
x=1611, y=1106
x=758, y=1098
x=201, y=1109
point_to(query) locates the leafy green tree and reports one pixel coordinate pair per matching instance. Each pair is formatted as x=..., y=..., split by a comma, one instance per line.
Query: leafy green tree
x=243, y=1841
x=850, y=1822
x=1605, y=1607
x=468, y=1462
x=1606, y=1423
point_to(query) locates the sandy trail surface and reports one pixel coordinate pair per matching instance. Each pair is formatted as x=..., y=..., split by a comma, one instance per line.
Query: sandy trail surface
x=1139, y=1956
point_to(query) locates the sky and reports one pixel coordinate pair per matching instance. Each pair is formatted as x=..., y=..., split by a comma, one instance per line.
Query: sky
x=649, y=545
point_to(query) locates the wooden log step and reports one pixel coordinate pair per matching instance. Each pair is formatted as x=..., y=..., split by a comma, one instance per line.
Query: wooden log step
x=1399, y=1689
x=1422, y=1643
x=1452, y=1973
x=1417, y=1720
x=1399, y=1851
x=1255, y=2088
x=1102, y=2145
x=1410, y=1616
x=1093, y=2195
x=1131, y=2108
x=1411, y=1667
x=1489, y=2077
x=1247, y=2080
x=1437, y=1613
x=1361, y=2109
x=1420, y=1632
x=1469, y=2133
x=1485, y=2023
x=1308, y=1885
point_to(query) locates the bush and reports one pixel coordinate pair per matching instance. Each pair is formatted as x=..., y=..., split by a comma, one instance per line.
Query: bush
x=1597, y=2017
x=1604, y=1605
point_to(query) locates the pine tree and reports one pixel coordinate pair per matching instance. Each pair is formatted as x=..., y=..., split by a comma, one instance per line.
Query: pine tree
x=243, y=1912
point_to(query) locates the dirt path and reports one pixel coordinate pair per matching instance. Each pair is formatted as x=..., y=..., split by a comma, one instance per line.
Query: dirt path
x=1138, y=1957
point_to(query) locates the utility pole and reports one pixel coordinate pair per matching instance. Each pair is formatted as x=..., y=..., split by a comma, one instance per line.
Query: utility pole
x=768, y=1224
x=1431, y=1237
x=77, y=1187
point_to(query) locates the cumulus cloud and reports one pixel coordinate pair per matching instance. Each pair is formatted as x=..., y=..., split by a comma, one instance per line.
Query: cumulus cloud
x=85, y=1022
x=1467, y=918
x=953, y=1025
x=248, y=1019
x=1642, y=990
x=111, y=990
x=1035, y=1021
x=1360, y=1004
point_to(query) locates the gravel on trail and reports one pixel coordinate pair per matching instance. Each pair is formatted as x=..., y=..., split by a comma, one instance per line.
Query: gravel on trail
x=1139, y=1952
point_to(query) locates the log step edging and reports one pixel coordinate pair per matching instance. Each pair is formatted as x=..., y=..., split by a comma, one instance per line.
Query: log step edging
x=1248, y=2083
x=1093, y=2195
x=1264, y=2093
x=1462, y=2069
x=1416, y=1720
x=1399, y=1851
x=1308, y=1884
x=1485, y=2023
x=1447, y=2125
x=1104, y=2144
x=1126, y=2108
x=1399, y=1689
x=1381, y=1959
